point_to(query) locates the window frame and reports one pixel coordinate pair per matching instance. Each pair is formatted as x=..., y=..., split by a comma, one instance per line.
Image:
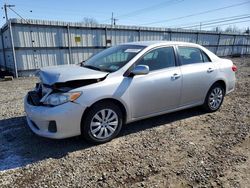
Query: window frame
x=204, y=54
x=201, y=52
x=150, y=50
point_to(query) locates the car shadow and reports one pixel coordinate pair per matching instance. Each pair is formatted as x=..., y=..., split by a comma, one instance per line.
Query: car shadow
x=20, y=147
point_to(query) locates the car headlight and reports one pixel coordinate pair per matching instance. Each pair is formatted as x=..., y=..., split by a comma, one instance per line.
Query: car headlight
x=56, y=99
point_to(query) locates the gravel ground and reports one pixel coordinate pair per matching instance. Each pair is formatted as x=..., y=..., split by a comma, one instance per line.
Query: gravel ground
x=182, y=149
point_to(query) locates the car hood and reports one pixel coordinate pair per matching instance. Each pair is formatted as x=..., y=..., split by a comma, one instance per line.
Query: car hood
x=65, y=73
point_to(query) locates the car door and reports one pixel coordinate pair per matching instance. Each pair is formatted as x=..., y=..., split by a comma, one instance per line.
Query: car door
x=159, y=90
x=198, y=72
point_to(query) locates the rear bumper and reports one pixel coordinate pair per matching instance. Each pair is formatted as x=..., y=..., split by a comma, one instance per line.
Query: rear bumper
x=230, y=86
x=67, y=117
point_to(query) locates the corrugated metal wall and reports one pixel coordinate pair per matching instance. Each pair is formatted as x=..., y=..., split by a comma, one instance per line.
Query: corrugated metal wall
x=2, y=61
x=41, y=43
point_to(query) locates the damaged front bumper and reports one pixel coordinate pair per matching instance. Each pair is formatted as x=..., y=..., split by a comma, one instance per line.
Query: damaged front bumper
x=57, y=122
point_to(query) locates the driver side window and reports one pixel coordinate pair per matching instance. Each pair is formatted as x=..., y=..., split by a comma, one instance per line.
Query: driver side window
x=159, y=58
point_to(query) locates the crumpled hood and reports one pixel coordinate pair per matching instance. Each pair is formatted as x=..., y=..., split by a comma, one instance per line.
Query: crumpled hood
x=65, y=73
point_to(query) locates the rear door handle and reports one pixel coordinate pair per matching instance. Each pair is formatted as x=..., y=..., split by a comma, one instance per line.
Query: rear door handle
x=210, y=70
x=175, y=76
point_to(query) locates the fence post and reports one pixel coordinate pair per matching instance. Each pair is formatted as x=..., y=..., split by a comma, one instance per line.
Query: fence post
x=139, y=34
x=248, y=46
x=69, y=45
x=106, y=36
x=233, y=45
x=218, y=43
x=170, y=34
x=5, y=63
x=197, y=37
x=13, y=49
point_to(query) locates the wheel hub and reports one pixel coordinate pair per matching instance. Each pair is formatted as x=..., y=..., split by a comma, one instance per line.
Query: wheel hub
x=104, y=124
x=215, y=98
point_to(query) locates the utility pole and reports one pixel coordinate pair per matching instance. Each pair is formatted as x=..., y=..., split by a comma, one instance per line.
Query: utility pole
x=6, y=7
x=6, y=10
x=200, y=25
x=115, y=21
x=112, y=19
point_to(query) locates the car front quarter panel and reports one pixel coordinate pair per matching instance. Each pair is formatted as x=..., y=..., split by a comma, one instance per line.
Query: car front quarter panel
x=111, y=88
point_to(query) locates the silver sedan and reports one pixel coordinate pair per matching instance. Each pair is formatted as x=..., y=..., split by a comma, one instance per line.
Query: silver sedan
x=126, y=83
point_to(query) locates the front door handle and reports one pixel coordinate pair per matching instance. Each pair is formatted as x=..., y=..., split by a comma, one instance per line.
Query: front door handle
x=175, y=76
x=210, y=70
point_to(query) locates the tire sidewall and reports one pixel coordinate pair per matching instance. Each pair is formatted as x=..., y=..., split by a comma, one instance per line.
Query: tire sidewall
x=207, y=105
x=86, y=132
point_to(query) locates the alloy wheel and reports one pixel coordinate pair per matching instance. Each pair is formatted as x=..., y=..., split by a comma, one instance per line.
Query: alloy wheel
x=215, y=98
x=104, y=123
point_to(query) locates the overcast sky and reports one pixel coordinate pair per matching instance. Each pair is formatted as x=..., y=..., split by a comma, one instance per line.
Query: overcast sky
x=157, y=13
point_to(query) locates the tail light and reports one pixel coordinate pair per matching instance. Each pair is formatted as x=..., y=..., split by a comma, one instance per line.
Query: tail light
x=234, y=68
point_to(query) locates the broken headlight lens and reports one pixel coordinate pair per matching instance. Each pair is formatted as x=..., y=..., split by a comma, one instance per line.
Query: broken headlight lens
x=56, y=99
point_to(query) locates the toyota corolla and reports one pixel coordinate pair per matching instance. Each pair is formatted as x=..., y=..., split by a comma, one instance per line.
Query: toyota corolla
x=126, y=83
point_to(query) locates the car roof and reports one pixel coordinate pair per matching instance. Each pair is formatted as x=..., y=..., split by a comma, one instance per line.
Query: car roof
x=152, y=44
x=159, y=43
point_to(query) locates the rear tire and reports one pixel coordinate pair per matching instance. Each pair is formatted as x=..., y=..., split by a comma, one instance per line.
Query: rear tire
x=102, y=122
x=214, y=98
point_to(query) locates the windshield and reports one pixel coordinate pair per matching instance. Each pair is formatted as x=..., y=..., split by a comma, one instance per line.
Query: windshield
x=113, y=58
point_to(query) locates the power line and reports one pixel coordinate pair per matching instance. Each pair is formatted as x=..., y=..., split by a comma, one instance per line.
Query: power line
x=6, y=7
x=212, y=23
x=199, y=13
x=18, y=14
x=151, y=8
x=58, y=12
x=228, y=23
x=47, y=12
x=47, y=8
x=147, y=9
x=205, y=21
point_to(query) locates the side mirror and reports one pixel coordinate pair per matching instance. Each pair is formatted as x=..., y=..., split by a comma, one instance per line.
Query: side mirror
x=140, y=70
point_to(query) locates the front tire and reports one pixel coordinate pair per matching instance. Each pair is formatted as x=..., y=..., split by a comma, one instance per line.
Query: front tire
x=102, y=122
x=214, y=98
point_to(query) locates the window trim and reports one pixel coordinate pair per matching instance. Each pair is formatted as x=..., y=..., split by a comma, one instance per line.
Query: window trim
x=176, y=64
x=203, y=53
